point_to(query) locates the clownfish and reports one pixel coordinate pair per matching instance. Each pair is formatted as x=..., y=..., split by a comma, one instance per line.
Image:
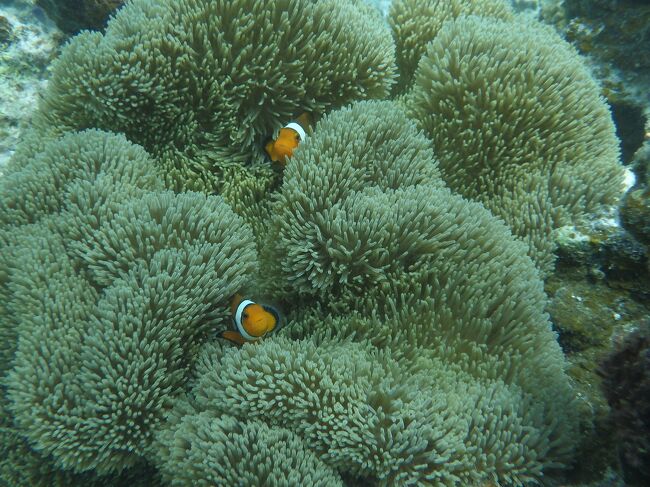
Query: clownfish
x=251, y=321
x=288, y=139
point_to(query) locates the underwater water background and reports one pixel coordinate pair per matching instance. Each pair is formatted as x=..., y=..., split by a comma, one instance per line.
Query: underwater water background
x=457, y=250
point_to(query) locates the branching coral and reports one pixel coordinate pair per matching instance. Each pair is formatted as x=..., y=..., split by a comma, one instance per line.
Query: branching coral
x=517, y=123
x=201, y=84
x=110, y=292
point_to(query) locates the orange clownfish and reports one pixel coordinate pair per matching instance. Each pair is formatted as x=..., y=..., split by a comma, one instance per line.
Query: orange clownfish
x=288, y=139
x=251, y=321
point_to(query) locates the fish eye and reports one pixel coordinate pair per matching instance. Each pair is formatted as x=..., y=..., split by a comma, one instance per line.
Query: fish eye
x=244, y=315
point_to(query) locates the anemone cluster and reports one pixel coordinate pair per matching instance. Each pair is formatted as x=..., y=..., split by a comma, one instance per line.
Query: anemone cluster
x=535, y=139
x=405, y=239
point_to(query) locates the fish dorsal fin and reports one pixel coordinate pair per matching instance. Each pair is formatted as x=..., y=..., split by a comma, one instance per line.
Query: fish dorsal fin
x=305, y=120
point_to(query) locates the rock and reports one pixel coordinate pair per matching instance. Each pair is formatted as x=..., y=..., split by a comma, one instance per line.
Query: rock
x=635, y=213
x=25, y=55
x=71, y=16
x=587, y=314
x=635, y=208
x=617, y=30
x=6, y=31
x=615, y=37
x=626, y=384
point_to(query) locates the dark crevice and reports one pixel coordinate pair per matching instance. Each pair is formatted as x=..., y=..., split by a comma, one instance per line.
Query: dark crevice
x=630, y=128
